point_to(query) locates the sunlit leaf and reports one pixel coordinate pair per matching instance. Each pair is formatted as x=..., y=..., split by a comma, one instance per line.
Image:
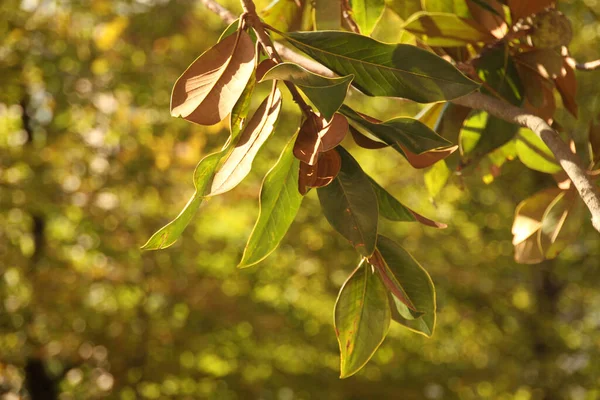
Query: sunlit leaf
x=436, y=177
x=534, y=153
x=327, y=94
x=444, y=29
x=361, y=318
x=490, y=15
x=404, y=8
x=210, y=87
x=457, y=7
x=285, y=15
x=279, y=203
x=350, y=205
x=327, y=14
x=416, y=284
x=367, y=13
x=240, y=110
x=381, y=69
x=239, y=162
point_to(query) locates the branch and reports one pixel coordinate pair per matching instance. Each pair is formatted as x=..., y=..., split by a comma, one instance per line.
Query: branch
x=568, y=161
x=588, y=66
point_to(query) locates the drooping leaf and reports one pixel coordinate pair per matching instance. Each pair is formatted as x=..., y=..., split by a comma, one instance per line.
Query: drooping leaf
x=350, y=205
x=534, y=153
x=408, y=136
x=318, y=135
x=390, y=208
x=203, y=175
x=361, y=319
x=327, y=94
x=381, y=69
x=364, y=141
x=322, y=173
x=521, y=9
x=445, y=30
x=279, y=203
x=490, y=15
x=207, y=91
x=239, y=162
x=415, y=282
x=367, y=13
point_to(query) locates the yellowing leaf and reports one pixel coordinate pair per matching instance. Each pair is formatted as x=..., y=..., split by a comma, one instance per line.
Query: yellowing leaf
x=210, y=87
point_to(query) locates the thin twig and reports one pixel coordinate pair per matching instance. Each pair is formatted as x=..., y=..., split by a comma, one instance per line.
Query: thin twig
x=588, y=66
x=568, y=161
x=347, y=14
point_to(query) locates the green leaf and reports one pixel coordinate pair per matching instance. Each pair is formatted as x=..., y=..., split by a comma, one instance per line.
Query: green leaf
x=327, y=94
x=361, y=319
x=381, y=69
x=241, y=109
x=416, y=283
x=285, y=15
x=389, y=207
x=350, y=205
x=203, y=175
x=238, y=163
x=279, y=203
x=458, y=7
x=534, y=153
x=404, y=8
x=367, y=13
x=445, y=30
x=401, y=133
x=436, y=177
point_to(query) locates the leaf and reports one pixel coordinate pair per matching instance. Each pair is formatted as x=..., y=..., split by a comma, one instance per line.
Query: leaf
x=210, y=87
x=534, y=153
x=203, y=175
x=350, y=205
x=410, y=137
x=239, y=162
x=436, y=178
x=567, y=88
x=539, y=94
x=365, y=142
x=327, y=94
x=279, y=203
x=404, y=8
x=594, y=141
x=317, y=136
x=431, y=115
x=548, y=63
x=458, y=7
x=361, y=319
x=381, y=69
x=490, y=15
x=560, y=224
x=390, y=208
x=521, y=9
x=240, y=110
x=415, y=282
x=367, y=13
x=326, y=15
x=321, y=174
x=285, y=15
x=445, y=30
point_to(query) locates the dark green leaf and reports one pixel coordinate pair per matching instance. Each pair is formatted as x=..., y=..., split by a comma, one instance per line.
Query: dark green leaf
x=416, y=283
x=279, y=203
x=327, y=94
x=389, y=207
x=361, y=319
x=350, y=205
x=382, y=69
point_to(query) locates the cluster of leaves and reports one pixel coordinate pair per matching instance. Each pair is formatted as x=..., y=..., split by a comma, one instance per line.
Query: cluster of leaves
x=493, y=44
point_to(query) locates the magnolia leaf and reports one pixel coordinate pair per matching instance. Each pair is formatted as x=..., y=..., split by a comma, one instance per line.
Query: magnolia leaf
x=239, y=162
x=367, y=13
x=350, y=205
x=416, y=284
x=240, y=110
x=534, y=153
x=203, y=175
x=445, y=29
x=285, y=15
x=326, y=15
x=404, y=8
x=567, y=88
x=279, y=204
x=327, y=94
x=490, y=15
x=361, y=318
x=321, y=174
x=521, y=9
x=210, y=87
x=539, y=93
x=390, y=208
x=381, y=69
x=364, y=141
x=431, y=115
x=457, y=7
x=317, y=135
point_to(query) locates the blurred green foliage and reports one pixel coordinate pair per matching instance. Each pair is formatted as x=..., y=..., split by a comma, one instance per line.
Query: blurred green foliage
x=91, y=164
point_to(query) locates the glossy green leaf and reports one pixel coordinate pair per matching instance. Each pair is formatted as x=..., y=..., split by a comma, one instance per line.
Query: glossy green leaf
x=279, y=203
x=327, y=94
x=203, y=175
x=350, y=205
x=417, y=285
x=445, y=30
x=389, y=207
x=534, y=153
x=239, y=161
x=361, y=318
x=366, y=14
x=401, y=133
x=381, y=69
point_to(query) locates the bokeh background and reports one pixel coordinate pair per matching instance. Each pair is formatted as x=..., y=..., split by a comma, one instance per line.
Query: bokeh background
x=91, y=164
